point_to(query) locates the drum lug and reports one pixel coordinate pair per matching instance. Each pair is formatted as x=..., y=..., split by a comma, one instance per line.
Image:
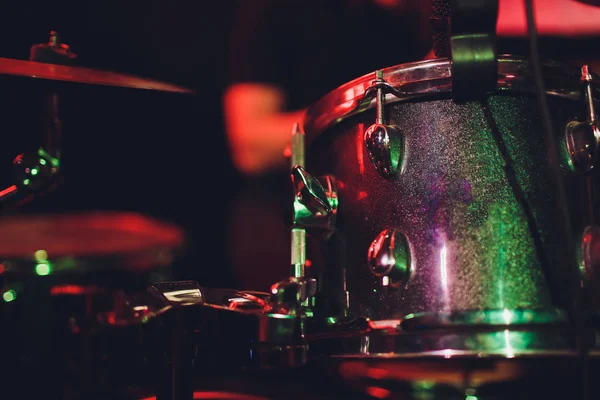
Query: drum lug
x=384, y=143
x=385, y=146
x=390, y=259
x=590, y=254
x=582, y=138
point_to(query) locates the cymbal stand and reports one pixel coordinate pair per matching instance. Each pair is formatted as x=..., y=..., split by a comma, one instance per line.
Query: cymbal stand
x=37, y=173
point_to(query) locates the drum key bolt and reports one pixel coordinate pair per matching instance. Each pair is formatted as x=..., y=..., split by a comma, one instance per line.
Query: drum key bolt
x=389, y=258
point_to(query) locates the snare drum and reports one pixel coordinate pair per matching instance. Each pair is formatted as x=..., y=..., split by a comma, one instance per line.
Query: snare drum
x=451, y=217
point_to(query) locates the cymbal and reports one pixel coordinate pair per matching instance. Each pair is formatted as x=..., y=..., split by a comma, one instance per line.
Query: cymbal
x=88, y=236
x=90, y=76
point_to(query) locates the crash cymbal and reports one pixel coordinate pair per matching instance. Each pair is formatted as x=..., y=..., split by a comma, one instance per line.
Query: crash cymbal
x=90, y=76
x=133, y=238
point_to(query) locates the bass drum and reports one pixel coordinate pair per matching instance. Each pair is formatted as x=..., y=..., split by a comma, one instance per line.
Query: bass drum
x=448, y=223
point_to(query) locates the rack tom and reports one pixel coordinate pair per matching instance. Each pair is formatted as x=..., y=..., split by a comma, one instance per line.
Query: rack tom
x=448, y=212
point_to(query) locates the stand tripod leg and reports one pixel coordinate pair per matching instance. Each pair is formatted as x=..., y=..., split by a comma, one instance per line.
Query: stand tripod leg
x=176, y=380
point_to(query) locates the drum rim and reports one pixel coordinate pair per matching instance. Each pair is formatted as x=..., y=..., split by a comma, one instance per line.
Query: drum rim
x=546, y=341
x=430, y=78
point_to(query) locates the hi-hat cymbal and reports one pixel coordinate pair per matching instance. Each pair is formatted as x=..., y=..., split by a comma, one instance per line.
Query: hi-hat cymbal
x=90, y=76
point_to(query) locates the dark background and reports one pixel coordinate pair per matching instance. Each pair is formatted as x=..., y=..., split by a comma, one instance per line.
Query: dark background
x=160, y=154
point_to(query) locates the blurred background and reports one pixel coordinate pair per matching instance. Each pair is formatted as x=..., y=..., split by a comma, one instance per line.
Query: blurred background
x=160, y=154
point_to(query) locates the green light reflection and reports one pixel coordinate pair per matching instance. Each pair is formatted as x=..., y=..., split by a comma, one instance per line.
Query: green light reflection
x=43, y=269
x=9, y=296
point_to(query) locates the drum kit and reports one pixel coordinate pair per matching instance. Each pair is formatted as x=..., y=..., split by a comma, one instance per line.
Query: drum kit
x=433, y=255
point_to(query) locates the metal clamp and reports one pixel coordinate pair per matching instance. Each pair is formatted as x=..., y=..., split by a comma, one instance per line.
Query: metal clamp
x=473, y=48
x=315, y=204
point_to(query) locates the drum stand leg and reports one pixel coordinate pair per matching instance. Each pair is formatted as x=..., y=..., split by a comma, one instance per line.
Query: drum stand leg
x=332, y=298
x=176, y=375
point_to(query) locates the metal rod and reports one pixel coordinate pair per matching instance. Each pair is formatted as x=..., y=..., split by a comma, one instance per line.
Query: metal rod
x=297, y=145
x=569, y=249
x=176, y=381
x=298, y=238
x=380, y=99
x=586, y=78
x=298, y=252
x=53, y=135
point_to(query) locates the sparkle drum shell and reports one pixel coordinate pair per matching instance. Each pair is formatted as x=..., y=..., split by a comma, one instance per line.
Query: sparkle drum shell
x=474, y=198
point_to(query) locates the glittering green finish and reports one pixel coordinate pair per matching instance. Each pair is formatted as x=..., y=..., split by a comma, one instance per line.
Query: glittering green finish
x=497, y=244
x=475, y=201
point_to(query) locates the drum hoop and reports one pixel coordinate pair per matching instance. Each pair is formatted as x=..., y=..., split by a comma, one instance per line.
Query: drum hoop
x=430, y=78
